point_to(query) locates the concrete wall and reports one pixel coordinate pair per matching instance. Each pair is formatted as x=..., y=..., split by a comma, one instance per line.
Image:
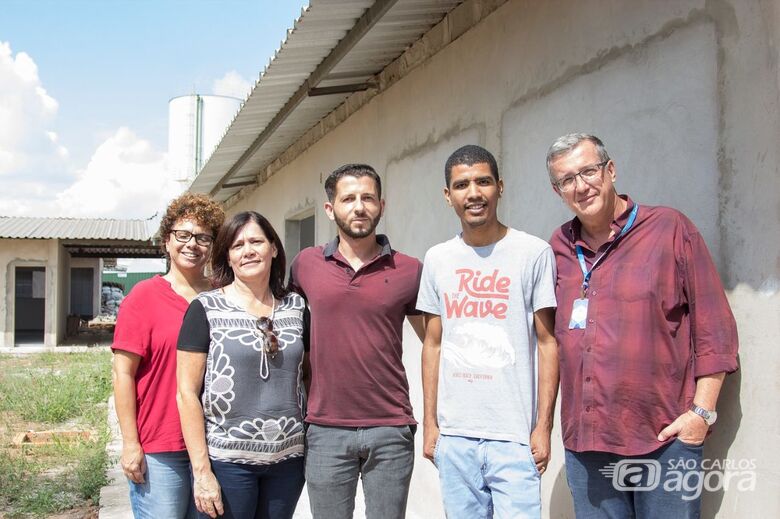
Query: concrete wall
x=30, y=253
x=686, y=96
x=62, y=299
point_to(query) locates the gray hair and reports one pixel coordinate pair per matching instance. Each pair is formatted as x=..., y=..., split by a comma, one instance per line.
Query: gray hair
x=568, y=142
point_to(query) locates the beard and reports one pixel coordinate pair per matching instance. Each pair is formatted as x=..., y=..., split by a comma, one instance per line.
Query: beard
x=346, y=229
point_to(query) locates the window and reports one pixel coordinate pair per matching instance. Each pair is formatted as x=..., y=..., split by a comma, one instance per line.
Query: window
x=298, y=234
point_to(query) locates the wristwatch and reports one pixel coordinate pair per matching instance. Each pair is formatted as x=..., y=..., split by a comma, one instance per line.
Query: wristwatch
x=709, y=416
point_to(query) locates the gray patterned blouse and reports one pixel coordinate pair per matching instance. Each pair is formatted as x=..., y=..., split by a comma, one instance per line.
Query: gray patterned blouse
x=253, y=404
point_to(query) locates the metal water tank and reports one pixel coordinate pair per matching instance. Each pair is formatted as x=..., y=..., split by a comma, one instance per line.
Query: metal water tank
x=196, y=123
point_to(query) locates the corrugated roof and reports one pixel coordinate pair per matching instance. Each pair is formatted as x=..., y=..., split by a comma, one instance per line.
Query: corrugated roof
x=333, y=43
x=74, y=228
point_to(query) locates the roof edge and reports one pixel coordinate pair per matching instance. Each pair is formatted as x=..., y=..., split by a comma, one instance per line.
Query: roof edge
x=454, y=24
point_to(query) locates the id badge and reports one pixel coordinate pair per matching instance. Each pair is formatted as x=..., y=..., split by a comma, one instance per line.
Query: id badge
x=579, y=314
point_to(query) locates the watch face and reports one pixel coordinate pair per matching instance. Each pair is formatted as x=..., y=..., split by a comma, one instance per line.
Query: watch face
x=709, y=416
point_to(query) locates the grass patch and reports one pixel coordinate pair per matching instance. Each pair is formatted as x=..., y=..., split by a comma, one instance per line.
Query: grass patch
x=52, y=391
x=52, y=388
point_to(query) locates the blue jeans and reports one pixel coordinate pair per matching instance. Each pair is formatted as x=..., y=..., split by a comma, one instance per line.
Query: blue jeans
x=487, y=478
x=167, y=488
x=663, y=483
x=259, y=491
x=337, y=456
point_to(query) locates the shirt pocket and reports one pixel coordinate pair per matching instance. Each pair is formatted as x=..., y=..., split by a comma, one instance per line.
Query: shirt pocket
x=632, y=283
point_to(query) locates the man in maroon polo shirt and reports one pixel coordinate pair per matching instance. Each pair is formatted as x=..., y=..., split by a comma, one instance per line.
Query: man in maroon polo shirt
x=646, y=337
x=359, y=291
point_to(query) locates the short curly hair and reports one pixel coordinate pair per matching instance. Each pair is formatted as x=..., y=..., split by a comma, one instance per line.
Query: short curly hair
x=200, y=208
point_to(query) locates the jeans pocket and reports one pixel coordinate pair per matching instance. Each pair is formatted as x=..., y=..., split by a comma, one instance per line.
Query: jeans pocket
x=533, y=461
x=436, y=452
x=406, y=432
x=690, y=445
x=317, y=437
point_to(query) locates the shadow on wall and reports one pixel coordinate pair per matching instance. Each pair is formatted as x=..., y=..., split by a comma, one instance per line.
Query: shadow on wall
x=561, y=504
x=715, y=448
x=724, y=432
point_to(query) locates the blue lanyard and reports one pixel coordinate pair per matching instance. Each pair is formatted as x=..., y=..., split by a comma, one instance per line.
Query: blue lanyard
x=580, y=256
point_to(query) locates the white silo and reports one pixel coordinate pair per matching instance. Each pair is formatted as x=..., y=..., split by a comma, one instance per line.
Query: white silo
x=196, y=123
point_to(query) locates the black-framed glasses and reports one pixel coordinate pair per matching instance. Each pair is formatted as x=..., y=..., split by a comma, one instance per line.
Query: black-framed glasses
x=266, y=325
x=184, y=236
x=587, y=174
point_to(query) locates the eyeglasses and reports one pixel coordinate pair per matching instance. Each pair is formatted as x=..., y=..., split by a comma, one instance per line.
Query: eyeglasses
x=184, y=236
x=266, y=325
x=587, y=174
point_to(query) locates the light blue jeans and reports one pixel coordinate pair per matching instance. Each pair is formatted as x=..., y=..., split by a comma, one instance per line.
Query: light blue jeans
x=487, y=478
x=167, y=488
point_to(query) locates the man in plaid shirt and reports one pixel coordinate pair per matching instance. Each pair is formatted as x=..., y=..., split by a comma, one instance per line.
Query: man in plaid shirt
x=646, y=337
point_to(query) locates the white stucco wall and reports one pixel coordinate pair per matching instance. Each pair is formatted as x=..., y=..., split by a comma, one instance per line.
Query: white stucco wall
x=686, y=96
x=28, y=253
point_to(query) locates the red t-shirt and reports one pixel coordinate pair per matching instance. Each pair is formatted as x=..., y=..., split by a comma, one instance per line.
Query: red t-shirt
x=358, y=377
x=148, y=325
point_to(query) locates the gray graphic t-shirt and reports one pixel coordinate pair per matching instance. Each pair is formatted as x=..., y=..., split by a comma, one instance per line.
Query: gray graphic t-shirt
x=486, y=297
x=253, y=404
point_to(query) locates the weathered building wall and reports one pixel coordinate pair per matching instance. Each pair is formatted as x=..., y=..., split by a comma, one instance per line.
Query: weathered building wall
x=686, y=96
x=28, y=253
x=63, y=292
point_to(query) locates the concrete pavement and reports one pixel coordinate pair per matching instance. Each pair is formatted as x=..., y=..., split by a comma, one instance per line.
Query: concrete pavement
x=114, y=500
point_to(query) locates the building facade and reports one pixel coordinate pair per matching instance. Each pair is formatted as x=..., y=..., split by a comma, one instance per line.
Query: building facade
x=686, y=96
x=51, y=268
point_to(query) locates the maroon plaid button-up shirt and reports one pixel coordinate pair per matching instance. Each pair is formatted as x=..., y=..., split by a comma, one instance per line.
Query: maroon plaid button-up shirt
x=657, y=320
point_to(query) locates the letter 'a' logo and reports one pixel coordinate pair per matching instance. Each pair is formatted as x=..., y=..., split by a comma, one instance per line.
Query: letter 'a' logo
x=637, y=475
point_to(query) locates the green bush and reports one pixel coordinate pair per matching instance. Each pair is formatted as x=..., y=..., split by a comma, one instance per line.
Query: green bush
x=14, y=473
x=91, y=471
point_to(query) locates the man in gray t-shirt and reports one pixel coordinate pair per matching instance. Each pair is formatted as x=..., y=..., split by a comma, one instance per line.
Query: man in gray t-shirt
x=490, y=360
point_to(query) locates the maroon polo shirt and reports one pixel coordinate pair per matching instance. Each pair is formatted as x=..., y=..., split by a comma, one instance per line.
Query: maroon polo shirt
x=358, y=377
x=657, y=319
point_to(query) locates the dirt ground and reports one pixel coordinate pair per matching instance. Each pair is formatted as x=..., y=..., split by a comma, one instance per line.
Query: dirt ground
x=90, y=337
x=85, y=512
x=11, y=424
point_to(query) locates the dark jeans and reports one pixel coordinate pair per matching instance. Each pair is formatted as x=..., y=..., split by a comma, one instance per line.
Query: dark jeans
x=663, y=483
x=337, y=456
x=259, y=491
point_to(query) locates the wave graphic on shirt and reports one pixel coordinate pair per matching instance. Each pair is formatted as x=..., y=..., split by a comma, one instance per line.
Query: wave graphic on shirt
x=478, y=345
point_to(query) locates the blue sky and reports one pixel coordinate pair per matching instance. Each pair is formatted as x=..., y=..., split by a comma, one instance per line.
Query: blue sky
x=106, y=65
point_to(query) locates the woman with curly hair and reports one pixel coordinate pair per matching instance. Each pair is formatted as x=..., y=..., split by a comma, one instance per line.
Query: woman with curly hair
x=241, y=397
x=154, y=456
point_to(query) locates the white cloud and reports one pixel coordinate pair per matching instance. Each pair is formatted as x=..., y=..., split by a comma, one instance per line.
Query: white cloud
x=125, y=178
x=27, y=198
x=28, y=144
x=232, y=84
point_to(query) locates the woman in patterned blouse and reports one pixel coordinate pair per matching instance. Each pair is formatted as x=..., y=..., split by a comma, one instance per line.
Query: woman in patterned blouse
x=240, y=392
